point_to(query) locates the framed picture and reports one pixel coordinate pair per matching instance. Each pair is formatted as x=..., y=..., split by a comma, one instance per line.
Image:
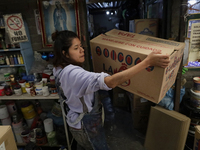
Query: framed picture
x=192, y=18
x=57, y=15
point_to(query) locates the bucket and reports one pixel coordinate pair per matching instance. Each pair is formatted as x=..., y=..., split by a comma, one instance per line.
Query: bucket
x=18, y=128
x=28, y=110
x=48, y=125
x=3, y=112
x=195, y=99
x=6, y=121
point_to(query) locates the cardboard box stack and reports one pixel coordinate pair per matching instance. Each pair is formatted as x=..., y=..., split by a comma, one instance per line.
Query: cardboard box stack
x=118, y=50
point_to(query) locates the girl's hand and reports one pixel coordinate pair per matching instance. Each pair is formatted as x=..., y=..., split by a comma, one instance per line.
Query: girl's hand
x=157, y=59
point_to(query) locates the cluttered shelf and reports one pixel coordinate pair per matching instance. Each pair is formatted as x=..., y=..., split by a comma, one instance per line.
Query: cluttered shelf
x=28, y=96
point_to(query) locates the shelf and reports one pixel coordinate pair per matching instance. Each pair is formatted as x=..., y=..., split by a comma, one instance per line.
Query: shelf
x=4, y=66
x=46, y=145
x=27, y=96
x=12, y=49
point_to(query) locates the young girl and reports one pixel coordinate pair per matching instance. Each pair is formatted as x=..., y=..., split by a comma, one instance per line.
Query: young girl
x=80, y=88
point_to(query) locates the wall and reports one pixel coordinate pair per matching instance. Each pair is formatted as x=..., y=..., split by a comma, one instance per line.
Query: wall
x=104, y=23
x=26, y=8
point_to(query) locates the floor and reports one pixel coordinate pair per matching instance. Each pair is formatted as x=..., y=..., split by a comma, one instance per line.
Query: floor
x=121, y=135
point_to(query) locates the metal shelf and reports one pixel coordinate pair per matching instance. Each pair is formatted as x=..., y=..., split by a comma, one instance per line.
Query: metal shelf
x=27, y=96
x=10, y=49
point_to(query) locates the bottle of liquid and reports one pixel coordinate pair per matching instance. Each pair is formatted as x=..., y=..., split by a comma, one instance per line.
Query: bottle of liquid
x=18, y=58
x=11, y=60
x=38, y=107
x=7, y=61
x=15, y=59
x=21, y=59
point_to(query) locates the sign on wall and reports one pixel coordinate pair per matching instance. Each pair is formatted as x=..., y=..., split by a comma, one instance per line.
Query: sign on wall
x=15, y=27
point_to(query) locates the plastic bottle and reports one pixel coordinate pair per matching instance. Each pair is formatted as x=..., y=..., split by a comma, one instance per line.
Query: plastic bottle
x=18, y=58
x=7, y=61
x=15, y=59
x=21, y=59
x=11, y=60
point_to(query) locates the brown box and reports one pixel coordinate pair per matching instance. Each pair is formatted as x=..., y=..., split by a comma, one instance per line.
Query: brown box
x=144, y=26
x=197, y=138
x=167, y=130
x=7, y=140
x=118, y=50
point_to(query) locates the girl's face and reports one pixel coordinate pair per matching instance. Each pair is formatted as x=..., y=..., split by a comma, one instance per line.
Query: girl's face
x=76, y=51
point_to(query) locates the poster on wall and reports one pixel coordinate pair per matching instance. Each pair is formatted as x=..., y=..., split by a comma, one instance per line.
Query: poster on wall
x=57, y=15
x=15, y=27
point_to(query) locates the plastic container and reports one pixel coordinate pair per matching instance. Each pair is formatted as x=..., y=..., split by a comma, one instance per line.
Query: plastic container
x=52, y=80
x=195, y=99
x=18, y=90
x=23, y=83
x=2, y=91
x=12, y=108
x=45, y=91
x=48, y=125
x=30, y=122
x=3, y=112
x=28, y=110
x=6, y=121
x=18, y=128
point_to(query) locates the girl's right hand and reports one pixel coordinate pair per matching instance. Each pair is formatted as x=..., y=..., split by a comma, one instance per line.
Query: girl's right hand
x=157, y=59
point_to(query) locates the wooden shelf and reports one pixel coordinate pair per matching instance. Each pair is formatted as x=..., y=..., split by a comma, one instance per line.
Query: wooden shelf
x=27, y=96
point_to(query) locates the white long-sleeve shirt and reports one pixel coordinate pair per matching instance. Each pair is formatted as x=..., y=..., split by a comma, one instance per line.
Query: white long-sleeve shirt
x=76, y=83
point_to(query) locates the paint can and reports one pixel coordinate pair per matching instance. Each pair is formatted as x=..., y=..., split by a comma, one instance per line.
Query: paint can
x=194, y=99
x=18, y=128
x=6, y=121
x=30, y=122
x=28, y=110
x=25, y=136
x=3, y=112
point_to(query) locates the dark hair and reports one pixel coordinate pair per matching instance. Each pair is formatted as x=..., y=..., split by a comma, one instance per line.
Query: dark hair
x=62, y=42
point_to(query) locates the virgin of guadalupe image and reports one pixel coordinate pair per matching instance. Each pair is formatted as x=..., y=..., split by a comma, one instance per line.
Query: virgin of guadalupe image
x=59, y=17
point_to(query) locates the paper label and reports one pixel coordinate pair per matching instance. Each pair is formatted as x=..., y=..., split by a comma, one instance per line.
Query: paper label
x=2, y=146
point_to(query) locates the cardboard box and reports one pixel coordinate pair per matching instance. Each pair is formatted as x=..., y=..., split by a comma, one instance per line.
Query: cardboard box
x=167, y=130
x=197, y=138
x=118, y=50
x=144, y=26
x=120, y=98
x=140, y=111
x=7, y=140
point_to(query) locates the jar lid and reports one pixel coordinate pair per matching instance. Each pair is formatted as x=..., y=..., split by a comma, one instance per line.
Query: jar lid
x=1, y=87
x=52, y=77
x=22, y=81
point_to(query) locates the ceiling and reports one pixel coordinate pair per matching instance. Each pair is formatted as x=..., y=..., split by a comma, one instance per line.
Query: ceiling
x=104, y=4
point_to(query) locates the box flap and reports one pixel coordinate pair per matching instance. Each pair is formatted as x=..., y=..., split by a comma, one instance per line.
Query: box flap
x=145, y=39
x=137, y=45
x=167, y=130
